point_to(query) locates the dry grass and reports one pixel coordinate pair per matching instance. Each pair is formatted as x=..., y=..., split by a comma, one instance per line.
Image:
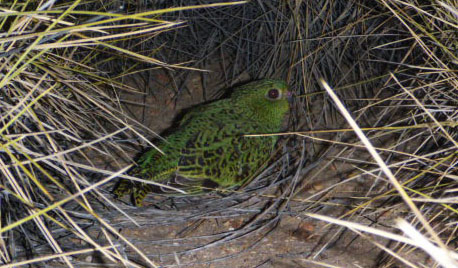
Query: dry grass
x=69, y=128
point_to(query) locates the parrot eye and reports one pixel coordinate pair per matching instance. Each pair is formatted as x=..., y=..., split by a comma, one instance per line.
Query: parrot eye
x=274, y=94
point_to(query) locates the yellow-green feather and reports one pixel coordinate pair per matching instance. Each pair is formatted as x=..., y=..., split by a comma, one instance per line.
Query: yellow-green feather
x=209, y=144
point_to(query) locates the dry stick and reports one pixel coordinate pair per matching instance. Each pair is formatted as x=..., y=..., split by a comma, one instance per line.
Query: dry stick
x=360, y=227
x=443, y=257
x=382, y=164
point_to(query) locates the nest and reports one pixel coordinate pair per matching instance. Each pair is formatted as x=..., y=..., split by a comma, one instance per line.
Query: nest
x=86, y=87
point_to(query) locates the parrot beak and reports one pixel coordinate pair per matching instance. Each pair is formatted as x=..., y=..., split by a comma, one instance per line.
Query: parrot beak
x=289, y=96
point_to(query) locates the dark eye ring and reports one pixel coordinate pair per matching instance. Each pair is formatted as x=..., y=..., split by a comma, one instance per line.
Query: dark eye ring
x=274, y=94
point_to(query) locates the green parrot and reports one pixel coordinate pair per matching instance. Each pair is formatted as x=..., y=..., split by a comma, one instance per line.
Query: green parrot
x=208, y=149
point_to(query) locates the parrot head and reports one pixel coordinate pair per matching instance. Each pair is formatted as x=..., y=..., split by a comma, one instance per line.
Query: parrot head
x=266, y=101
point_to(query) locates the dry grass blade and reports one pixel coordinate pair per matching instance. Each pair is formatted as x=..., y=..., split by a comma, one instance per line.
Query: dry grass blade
x=87, y=85
x=382, y=164
x=56, y=109
x=444, y=257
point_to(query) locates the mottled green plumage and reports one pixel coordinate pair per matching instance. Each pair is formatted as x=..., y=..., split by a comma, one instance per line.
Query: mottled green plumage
x=208, y=147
